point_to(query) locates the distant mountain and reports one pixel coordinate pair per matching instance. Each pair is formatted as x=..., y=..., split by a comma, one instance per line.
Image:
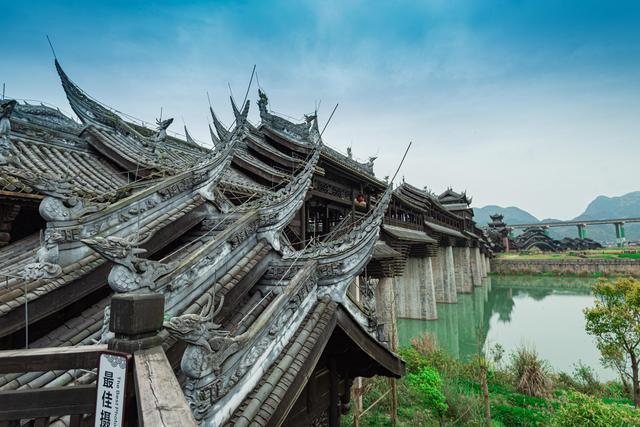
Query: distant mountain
x=512, y=215
x=602, y=207
x=627, y=206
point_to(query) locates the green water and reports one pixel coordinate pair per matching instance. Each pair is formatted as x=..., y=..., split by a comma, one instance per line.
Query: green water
x=540, y=312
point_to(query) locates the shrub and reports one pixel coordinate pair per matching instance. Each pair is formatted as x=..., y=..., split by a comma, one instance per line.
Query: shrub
x=428, y=383
x=586, y=380
x=414, y=361
x=579, y=410
x=531, y=374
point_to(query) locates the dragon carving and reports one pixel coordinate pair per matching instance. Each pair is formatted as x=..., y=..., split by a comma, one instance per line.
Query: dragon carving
x=129, y=272
x=208, y=348
x=47, y=256
x=61, y=201
x=161, y=137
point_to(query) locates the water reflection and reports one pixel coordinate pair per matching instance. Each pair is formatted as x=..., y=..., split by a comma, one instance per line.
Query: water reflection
x=543, y=312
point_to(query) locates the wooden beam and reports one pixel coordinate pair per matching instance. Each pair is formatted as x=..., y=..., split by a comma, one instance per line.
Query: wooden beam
x=47, y=402
x=161, y=401
x=50, y=359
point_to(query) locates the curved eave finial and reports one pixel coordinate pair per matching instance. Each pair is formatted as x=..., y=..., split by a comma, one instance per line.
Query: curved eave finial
x=223, y=133
x=188, y=137
x=241, y=116
x=87, y=109
x=214, y=138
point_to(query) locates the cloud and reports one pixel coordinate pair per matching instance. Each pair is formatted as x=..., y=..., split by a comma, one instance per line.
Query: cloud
x=530, y=103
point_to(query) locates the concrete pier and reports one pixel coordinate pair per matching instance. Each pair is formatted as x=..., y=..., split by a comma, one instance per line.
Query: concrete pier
x=438, y=266
x=450, y=291
x=463, y=275
x=415, y=290
x=475, y=271
x=386, y=310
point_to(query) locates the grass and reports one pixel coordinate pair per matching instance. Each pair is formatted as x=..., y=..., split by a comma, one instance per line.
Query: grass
x=510, y=404
x=608, y=253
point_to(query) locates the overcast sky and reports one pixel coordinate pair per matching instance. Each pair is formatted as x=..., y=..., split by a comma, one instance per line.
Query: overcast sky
x=534, y=104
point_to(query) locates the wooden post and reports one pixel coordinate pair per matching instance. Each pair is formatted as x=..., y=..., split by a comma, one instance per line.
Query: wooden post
x=303, y=226
x=135, y=320
x=394, y=347
x=357, y=391
x=334, y=417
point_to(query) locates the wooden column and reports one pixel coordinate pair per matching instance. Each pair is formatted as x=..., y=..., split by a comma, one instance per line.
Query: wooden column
x=334, y=417
x=303, y=226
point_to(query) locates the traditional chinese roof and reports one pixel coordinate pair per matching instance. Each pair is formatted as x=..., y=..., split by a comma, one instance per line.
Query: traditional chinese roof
x=46, y=142
x=134, y=147
x=450, y=197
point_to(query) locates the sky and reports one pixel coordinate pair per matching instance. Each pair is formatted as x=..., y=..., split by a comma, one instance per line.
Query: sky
x=534, y=104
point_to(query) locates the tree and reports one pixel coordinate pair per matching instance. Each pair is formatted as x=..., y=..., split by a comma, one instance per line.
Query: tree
x=615, y=322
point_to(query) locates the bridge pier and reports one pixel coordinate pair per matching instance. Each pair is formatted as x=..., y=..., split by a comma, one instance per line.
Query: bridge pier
x=582, y=231
x=438, y=264
x=416, y=292
x=468, y=270
x=386, y=310
x=475, y=267
x=463, y=279
x=620, y=238
x=450, y=290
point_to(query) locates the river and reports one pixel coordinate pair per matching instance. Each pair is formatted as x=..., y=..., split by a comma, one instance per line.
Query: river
x=540, y=312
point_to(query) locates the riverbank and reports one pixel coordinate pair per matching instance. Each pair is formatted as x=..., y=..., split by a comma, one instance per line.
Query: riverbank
x=441, y=390
x=587, y=267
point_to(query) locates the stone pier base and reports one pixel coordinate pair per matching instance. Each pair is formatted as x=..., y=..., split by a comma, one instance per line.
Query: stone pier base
x=463, y=275
x=474, y=261
x=450, y=292
x=438, y=265
x=386, y=311
x=416, y=295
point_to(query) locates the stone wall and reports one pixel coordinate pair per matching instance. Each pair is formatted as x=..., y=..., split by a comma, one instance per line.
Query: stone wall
x=585, y=267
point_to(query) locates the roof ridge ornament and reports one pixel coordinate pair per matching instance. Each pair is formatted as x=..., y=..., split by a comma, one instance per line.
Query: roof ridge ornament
x=62, y=201
x=47, y=259
x=160, y=137
x=129, y=272
x=6, y=147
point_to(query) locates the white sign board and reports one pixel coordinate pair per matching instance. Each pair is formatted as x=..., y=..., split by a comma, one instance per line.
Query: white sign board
x=112, y=374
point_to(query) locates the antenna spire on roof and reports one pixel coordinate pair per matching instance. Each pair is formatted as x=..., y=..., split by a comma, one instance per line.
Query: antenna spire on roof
x=208, y=99
x=401, y=162
x=51, y=46
x=253, y=72
x=230, y=91
x=327, y=124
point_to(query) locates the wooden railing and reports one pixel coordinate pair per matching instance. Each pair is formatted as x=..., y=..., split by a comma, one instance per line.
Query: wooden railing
x=153, y=396
x=42, y=403
x=405, y=224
